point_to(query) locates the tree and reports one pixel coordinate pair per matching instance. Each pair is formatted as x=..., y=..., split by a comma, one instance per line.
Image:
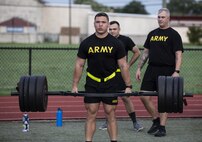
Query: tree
x=195, y=35
x=185, y=7
x=41, y=1
x=95, y=5
x=132, y=7
x=197, y=10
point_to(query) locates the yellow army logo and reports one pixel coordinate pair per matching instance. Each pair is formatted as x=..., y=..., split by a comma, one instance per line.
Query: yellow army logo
x=98, y=49
x=159, y=38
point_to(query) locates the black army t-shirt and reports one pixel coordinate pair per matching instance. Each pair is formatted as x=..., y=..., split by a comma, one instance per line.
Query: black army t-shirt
x=162, y=45
x=101, y=54
x=127, y=42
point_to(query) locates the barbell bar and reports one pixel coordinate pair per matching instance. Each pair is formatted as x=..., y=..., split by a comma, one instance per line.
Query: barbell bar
x=33, y=94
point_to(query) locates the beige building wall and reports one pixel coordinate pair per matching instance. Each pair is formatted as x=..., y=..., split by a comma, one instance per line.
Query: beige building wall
x=134, y=25
x=20, y=2
x=49, y=19
x=18, y=38
x=183, y=33
x=29, y=10
x=55, y=17
x=29, y=36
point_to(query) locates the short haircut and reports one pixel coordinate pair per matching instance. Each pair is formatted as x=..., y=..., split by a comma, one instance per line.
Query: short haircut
x=114, y=22
x=166, y=10
x=101, y=14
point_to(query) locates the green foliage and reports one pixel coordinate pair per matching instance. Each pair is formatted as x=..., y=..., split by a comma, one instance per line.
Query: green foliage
x=187, y=7
x=41, y=1
x=95, y=5
x=132, y=7
x=195, y=35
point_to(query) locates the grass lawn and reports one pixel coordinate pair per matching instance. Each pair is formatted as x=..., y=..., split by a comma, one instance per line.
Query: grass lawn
x=58, y=66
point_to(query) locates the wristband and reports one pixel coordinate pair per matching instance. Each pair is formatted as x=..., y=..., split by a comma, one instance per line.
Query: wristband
x=177, y=71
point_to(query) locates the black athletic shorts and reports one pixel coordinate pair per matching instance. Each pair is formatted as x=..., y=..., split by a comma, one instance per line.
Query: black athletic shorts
x=150, y=79
x=121, y=84
x=105, y=87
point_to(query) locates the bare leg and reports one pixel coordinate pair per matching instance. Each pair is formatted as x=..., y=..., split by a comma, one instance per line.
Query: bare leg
x=111, y=119
x=131, y=112
x=149, y=105
x=90, y=125
x=163, y=118
x=128, y=104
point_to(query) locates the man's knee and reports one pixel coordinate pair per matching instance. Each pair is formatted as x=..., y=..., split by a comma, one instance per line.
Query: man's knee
x=111, y=119
x=125, y=99
x=145, y=99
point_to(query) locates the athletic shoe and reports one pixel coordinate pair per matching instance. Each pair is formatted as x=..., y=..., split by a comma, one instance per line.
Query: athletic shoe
x=155, y=126
x=137, y=126
x=160, y=133
x=103, y=126
x=25, y=130
x=154, y=129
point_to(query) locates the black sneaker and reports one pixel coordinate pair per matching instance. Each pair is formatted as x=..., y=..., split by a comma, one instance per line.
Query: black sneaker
x=154, y=129
x=160, y=133
x=155, y=126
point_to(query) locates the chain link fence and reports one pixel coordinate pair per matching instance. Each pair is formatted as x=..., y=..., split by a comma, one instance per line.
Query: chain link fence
x=57, y=64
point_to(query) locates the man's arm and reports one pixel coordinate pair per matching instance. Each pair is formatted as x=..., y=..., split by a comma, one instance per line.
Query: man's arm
x=77, y=73
x=136, y=54
x=178, y=62
x=143, y=59
x=141, y=63
x=125, y=73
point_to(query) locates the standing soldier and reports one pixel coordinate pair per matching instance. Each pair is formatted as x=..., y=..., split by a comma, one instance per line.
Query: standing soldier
x=163, y=48
x=129, y=45
x=103, y=52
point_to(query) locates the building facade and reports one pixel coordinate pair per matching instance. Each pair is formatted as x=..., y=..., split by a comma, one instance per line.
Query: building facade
x=67, y=23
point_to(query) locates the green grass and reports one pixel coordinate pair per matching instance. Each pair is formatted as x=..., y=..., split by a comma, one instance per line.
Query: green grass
x=37, y=45
x=58, y=66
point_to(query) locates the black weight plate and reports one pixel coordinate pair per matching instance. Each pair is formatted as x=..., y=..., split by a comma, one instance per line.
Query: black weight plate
x=41, y=97
x=26, y=94
x=21, y=93
x=161, y=94
x=175, y=94
x=180, y=96
x=169, y=94
x=32, y=93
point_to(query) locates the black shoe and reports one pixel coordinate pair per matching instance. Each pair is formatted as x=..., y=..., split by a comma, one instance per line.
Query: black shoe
x=155, y=126
x=160, y=133
x=154, y=129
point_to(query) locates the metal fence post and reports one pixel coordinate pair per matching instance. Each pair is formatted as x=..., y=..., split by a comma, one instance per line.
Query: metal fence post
x=30, y=61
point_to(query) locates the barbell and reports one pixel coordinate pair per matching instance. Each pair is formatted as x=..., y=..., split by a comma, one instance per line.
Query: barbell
x=33, y=94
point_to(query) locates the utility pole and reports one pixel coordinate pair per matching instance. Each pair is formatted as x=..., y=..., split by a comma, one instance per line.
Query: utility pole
x=164, y=4
x=70, y=26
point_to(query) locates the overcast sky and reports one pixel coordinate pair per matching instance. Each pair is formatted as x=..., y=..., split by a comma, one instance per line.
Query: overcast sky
x=151, y=6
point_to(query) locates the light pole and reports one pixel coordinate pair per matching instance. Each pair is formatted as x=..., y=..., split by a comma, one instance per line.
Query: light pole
x=164, y=4
x=70, y=27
